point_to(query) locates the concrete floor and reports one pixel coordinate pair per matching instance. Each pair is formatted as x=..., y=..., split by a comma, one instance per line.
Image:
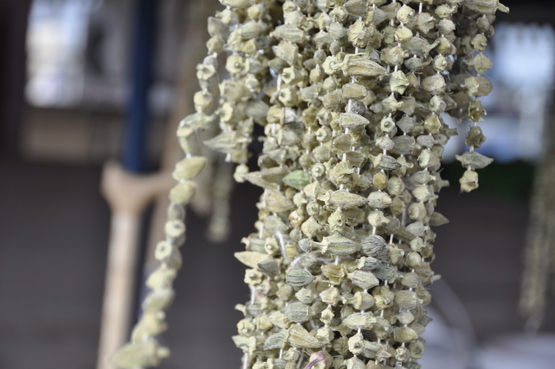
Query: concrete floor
x=53, y=233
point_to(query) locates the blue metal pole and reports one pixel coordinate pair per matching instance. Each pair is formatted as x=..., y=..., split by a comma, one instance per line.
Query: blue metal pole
x=134, y=153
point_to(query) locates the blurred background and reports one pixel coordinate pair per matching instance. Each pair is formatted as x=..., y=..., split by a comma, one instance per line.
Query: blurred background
x=86, y=81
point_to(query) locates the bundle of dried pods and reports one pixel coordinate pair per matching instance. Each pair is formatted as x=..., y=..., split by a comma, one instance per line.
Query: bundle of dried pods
x=351, y=96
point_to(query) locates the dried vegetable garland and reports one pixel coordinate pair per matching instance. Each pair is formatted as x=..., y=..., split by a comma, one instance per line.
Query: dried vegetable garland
x=351, y=96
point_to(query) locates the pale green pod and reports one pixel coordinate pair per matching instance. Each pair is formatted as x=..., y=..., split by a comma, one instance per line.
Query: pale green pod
x=379, y=180
x=397, y=206
x=363, y=279
x=414, y=260
x=420, y=47
x=438, y=219
x=356, y=344
x=182, y=193
x=277, y=318
x=385, y=162
x=479, y=42
x=161, y=278
x=189, y=168
x=475, y=111
x=175, y=231
x=354, y=91
x=311, y=227
x=276, y=341
x=251, y=30
x=332, y=65
x=342, y=199
x=434, y=84
x=389, y=105
x=417, y=211
x=425, y=22
x=427, y=159
x=403, y=145
x=446, y=10
x=411, y=280
x=330, y=296
x=360, y=65
x=309, y=94
x=437, y=104
x=247, y=344
x=405, y=317
x=362, y=300
x=358, y=8
x=337, y=31
x=474, y=160
x=274, y=175
x=395, y=186
x=407, y=299
x=253, y=277
x=481, y=63
x=287, y=51
x=394, y=55
x=224, y=142
x=245, y=327
x=377, y=218
x=374, y=245
x=368, y=263
x=469, y=181
x=150, y=324
x=404, y=334
x=417, y=228
x=334, y=273
x=440, y=63
x=191, y=144
x=296, y=277
x=379, y=200
x=358, y=34
x=406, y=124
x=257, y=110
x=139, y=354
x=217, y=27
x=446, y=26
x=416, y=349
x=305, y=295
x=175, y=211
x=337, y=244
x=359, y=320
x=398, y=82
x=298, y=179
x=405, y=14
x=296, y=312
x=263, y=323
x=301, y=338
x=158, y=300
x=269, y=266
x=203, y=101
x=422, y=193
x=208, y=78
x=194, y=122
x=402, y=354
x=276, y=202
x=215, y=44
x=486, y=6
x=475, y=137
x=166, y=253
x=250, y=258
x=421, y=177
x=234, y=91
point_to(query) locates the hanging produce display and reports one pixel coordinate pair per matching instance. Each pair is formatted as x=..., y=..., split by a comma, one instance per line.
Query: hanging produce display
x=351, y=95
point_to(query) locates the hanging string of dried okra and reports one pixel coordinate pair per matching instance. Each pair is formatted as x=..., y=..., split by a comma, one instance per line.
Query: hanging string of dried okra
x=351, y=95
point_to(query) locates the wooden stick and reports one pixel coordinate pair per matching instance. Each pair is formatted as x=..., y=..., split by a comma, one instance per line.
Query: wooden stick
x=128, y=195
